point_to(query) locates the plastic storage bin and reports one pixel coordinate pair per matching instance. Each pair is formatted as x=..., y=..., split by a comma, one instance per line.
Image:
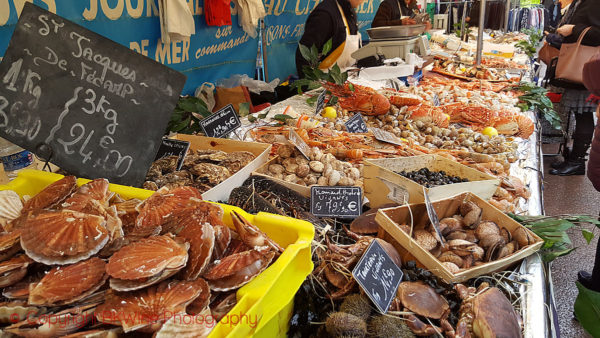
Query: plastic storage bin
x=268, y=299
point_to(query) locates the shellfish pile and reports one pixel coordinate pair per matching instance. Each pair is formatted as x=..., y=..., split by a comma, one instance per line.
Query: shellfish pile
x=469, y=240
x=319, y=169
x=72, y=251
x=202, y=169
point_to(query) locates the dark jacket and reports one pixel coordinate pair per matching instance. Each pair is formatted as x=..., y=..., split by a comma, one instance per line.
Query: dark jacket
x=593, y=172
x=324, y=23
x=390, y=11
x=586, y=15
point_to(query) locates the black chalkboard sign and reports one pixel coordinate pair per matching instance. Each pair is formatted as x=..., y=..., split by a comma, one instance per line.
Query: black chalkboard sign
x=95, y=107
x=356, y=124
x=321, y=101
x=378, y=275
x=221, y=123
x=170, y=147
x=342, y=202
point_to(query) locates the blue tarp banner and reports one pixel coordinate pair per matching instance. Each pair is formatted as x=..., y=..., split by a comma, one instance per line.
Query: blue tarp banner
x=211, y=54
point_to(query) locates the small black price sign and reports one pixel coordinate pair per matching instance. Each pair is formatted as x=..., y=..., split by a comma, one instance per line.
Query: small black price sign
x=321, y=101
x=356, y=124
x=221, y=123
x=342, y=202
x=386, y=136
x=170, y=147
x=378, y=275
x=433, y=217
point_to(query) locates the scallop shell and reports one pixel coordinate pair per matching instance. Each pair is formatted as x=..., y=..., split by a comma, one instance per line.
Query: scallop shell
x=66, y=285
x=11, y=312
x=13, y=270
x=222, y=240
x=90, y=198
x=128, y=213
x=148, y=304
x=202, y=242
x=182, y=325
x=9, y=244
x=238, y=269
x=223, y=303
x=63, y=237
x=10, y=205
x=198, y=212
x=156, y=209
x=147, y=258
x=52, y=195
x=69, y=321
x=203, y=300
x=112, y=333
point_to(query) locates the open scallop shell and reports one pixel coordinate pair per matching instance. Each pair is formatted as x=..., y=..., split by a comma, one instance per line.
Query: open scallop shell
x=222, y=240
x=199, y=304
x=238, y=269
x=12, y=312
x=68, y=284
x=96, y=190
x=10, y=205
x=155, y=210
x=148, y=304
x=147, y=258
x=56, y=324
x=52, y=195
x=13, y=270
x=197, y=212
x=128, y=213
x=63, y=237
x=97, y=333
x=202, y=242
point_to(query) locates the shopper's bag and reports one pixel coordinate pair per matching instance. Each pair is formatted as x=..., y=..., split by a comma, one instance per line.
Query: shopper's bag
x=571, y=59
x=547, y=53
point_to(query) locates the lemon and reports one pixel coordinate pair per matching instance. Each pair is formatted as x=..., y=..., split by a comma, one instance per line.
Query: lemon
x=329, y=112
x=490, y=131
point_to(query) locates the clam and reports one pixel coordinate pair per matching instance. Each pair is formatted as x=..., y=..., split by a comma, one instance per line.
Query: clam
x=449, y=256
x=468, y=262
x=471, y=214
x=453, y=268
x=66, y=285
x=478, y=253
x=461, y=247
x=506, y=234
x=425, y=239
x=450, y=224
x=490, y=241
x=523, y=237
x=486, y=228
x=458, y=234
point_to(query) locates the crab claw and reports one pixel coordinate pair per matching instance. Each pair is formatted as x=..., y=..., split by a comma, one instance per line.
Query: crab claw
x=419, y=328
x=251, y=235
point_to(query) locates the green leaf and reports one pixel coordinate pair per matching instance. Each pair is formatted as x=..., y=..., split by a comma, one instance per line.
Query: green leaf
x=244, y=109
x=182, y=125
x=305, y=51
x=587, y=310
x=332, y=101
x=312, y=100
x=282, y=117
x=549, y=256
x=327, y=47
x=251, y=118
x=314, y=53
x=263, y=115
x=588, y=235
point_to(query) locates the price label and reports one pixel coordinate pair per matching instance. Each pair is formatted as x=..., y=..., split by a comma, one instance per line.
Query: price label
x=221, y=123
x=385, y=136
x=356, y=124
x=97, y=108
x=397, y=193
x=378, y=276
x=342, y=202
x=433, y=217
x=436, y=100
x=170, y=147
x=321, y=101
x=299, y=143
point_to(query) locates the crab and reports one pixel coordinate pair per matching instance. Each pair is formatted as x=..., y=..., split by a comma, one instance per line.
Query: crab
x=421, y=299
x=486, y=312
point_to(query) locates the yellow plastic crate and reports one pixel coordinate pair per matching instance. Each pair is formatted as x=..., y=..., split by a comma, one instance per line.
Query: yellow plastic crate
x=267, y=301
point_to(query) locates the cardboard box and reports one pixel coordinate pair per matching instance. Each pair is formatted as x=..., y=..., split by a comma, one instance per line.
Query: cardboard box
x=383, y=185
x=221, y=191
x=389, y=220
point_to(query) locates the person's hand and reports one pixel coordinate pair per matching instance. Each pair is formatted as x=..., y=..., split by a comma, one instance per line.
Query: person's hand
x=408, y=21
x=565, y=30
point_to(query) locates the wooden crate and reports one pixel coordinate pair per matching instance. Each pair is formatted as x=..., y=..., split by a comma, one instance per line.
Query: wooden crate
x=264, y=169
x=389, y=220
x=221, y=191
x=383, y=185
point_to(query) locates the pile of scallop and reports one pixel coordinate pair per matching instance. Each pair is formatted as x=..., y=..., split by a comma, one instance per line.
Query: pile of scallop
x=470, y=240
x=101, y=264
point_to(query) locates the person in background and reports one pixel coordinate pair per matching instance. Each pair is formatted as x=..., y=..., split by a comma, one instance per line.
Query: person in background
x=335, y=20
x=592, y=281
x=574, y=99
x=390, y=13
